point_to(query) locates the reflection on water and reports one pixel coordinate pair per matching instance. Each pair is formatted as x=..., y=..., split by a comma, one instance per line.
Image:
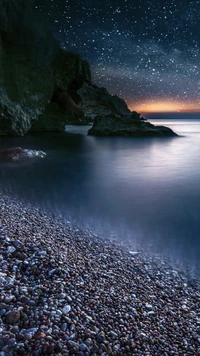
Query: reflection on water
x=143, y=190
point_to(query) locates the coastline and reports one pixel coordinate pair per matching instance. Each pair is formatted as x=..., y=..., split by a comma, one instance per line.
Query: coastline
x=64, y=292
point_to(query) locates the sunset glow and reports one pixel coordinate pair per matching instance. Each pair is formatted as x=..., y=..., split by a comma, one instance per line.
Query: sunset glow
x=165, y=106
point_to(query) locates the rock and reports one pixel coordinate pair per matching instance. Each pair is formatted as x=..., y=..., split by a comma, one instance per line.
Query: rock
x=148, y=306
x=16, y=154
x=112, y=117
x=17, y=244
x=129, y=125
x=150, y=313
x=58, y=347
x=73, y=345
x=101, y=337
x=70, y=74
x=27, y=56
x=64, y=327
x=2, y=280
x=39, y=80
x=11, y=249
x=1, y=344
x=13, y=317
x=66, y=309
x=9, y=298
x=28, y=333
x=116, y=347
x=49, y=350
x=97, y=101
x=31, y=303
x=83, y=347
x=134, y=253
x=2, y=312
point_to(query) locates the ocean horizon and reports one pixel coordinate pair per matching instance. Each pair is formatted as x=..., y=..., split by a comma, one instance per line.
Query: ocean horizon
x=172, y=115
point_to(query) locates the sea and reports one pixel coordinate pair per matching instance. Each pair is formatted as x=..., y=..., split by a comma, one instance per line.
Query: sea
x=143, y=192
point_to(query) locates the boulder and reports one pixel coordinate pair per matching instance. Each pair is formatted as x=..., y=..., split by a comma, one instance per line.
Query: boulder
x=16, y=154
x=130, y=125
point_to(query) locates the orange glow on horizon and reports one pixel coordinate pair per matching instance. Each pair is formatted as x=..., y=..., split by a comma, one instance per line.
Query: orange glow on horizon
x=165, y=106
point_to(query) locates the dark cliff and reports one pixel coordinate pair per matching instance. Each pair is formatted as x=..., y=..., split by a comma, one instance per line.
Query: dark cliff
x=34, y=72
x=27, y=57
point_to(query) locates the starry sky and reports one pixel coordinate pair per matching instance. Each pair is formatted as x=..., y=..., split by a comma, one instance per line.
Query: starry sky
x=145, y=51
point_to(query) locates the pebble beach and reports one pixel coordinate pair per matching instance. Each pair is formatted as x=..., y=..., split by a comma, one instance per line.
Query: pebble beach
x=65, y=292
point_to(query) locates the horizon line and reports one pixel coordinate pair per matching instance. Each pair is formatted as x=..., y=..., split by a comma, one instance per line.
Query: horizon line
x=170, y=112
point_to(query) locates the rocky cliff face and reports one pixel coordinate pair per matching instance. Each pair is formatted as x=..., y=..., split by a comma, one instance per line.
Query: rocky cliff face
x=97, y=101
x=70, y=73
x=34, y=72
x=27, y=57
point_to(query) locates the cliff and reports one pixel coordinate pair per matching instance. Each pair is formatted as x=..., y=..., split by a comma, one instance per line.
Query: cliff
x=38, y=80
x=97, y=101
x=27, y=57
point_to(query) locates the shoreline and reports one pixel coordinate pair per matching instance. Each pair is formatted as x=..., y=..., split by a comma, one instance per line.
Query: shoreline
x=64, y=292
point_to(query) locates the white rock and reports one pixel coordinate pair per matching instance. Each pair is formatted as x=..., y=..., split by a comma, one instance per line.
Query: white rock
x=2, y=280
x=134, y=253
x=148, y=306
x=11, y=249
x=66, y=309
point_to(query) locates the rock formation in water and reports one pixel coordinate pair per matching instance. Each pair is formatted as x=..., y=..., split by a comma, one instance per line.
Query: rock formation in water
x=18, y=154
x=112, y=117
x=127, y=125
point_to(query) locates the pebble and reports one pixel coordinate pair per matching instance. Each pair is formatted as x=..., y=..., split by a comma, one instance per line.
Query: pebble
x=64, y=327
x=2, y=312
x=2, y=280
x=9, y=298
x=134, y=253
x=17, y=244
x=39, y=335
x=83, y=347
x=13, y=317
x=67, y=292
x=101, y=337
x=66, y=309
x=11, y=249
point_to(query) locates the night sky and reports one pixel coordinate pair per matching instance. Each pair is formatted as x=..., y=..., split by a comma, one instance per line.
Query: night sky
x=147, y=52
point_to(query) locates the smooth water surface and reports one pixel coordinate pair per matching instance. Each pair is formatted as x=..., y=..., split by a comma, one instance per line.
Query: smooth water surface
x=143, y=190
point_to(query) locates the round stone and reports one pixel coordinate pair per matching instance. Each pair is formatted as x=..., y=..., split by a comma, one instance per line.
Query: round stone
x=13, y=317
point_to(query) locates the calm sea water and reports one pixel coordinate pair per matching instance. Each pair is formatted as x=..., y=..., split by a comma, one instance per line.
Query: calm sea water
x=146, y=191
